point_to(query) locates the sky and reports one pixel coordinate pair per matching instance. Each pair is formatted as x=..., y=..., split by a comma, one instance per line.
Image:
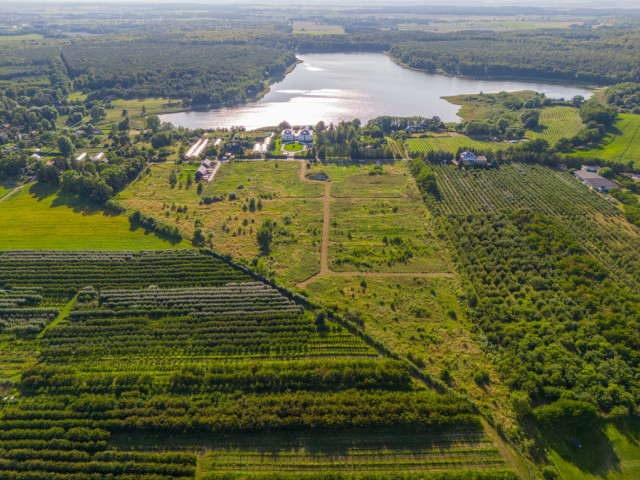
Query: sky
x=476, y=3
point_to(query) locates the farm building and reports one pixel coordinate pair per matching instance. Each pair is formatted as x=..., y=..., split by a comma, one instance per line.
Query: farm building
x=590, y=168
x=471, y=158
x=595, y=181
x=201, y=172
x=81, y=157
x=97, y=157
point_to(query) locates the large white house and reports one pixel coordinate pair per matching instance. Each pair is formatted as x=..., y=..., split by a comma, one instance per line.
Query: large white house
x=304, y=135
x=287, y=135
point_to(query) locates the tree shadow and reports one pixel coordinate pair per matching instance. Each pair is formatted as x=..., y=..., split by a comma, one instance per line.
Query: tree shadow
x=594, y=455
x=42, y=191
x=134, y=227
x=539, y=128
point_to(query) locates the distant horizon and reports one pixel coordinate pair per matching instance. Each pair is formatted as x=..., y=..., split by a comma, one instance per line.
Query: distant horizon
x=558, y=4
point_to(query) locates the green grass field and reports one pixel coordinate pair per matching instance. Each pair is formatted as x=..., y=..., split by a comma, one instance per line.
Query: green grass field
x=360, y=227
x=557, y=123
x=42, y=218
x=348, y=181
x=608, y=453
x=450, y=144
x=622, y=145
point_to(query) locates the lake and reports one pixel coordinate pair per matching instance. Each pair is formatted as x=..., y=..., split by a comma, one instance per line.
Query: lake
x=334, y=87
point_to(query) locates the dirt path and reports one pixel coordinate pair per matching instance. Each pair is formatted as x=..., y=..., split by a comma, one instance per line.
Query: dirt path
x=513, y=458
x=215, y=170
x=15, y=190
x=303, y=171
x=324, y=252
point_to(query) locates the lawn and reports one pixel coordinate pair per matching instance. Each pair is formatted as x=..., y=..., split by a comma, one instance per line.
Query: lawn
x=622, y=145
x=41, y=218
x=293, y=147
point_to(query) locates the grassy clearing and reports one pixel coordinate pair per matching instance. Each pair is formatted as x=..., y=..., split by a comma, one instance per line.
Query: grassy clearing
x=42, y=218
x=608, y=453
x=21, y=38
x=386, y=235
x=557, y=123
x=450, y=144
x=294, y=204
x=622, y=145
x=348, y=181
x=421, y=318
x=134, y=110
x=293, y=147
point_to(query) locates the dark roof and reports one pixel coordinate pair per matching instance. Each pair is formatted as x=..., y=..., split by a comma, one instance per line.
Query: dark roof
x=596, y=181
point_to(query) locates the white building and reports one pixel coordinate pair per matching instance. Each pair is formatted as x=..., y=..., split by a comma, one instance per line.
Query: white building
x=305, y=136
x=287, y=135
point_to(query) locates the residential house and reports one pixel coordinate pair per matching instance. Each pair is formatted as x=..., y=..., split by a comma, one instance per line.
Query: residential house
x=287, y=135
x=471, y=158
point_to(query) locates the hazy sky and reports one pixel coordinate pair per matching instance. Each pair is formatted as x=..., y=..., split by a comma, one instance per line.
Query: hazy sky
x=527, y=3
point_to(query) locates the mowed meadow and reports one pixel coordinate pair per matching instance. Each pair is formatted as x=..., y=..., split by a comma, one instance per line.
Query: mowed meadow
x=620, y=145
x=44, y=218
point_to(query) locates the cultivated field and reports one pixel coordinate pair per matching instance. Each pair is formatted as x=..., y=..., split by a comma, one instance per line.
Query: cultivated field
x=219, y=359
x=557, y=123
x=450, y=144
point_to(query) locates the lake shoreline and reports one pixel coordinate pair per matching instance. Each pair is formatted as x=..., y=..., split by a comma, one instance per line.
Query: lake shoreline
x=507, y=78
x=336, y=87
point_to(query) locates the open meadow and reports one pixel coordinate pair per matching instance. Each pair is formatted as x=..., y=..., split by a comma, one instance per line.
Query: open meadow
x=42, y=217
x=621, y=145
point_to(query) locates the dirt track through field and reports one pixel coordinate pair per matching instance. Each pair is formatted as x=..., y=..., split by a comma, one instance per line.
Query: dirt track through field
x=12, y=192
x=324, y=250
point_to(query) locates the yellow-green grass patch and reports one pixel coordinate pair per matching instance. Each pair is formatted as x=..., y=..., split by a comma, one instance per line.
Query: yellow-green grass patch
x=385, y=235
x=621, y=145
x=359, y=180
x=609, y=452
x=42, y=218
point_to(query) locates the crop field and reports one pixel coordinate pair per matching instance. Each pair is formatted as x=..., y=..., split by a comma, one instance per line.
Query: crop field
x=449, y=144
x=514, y=186
x=557, y=123
x=622, y=145
x=181, y=344
x=39, y=217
